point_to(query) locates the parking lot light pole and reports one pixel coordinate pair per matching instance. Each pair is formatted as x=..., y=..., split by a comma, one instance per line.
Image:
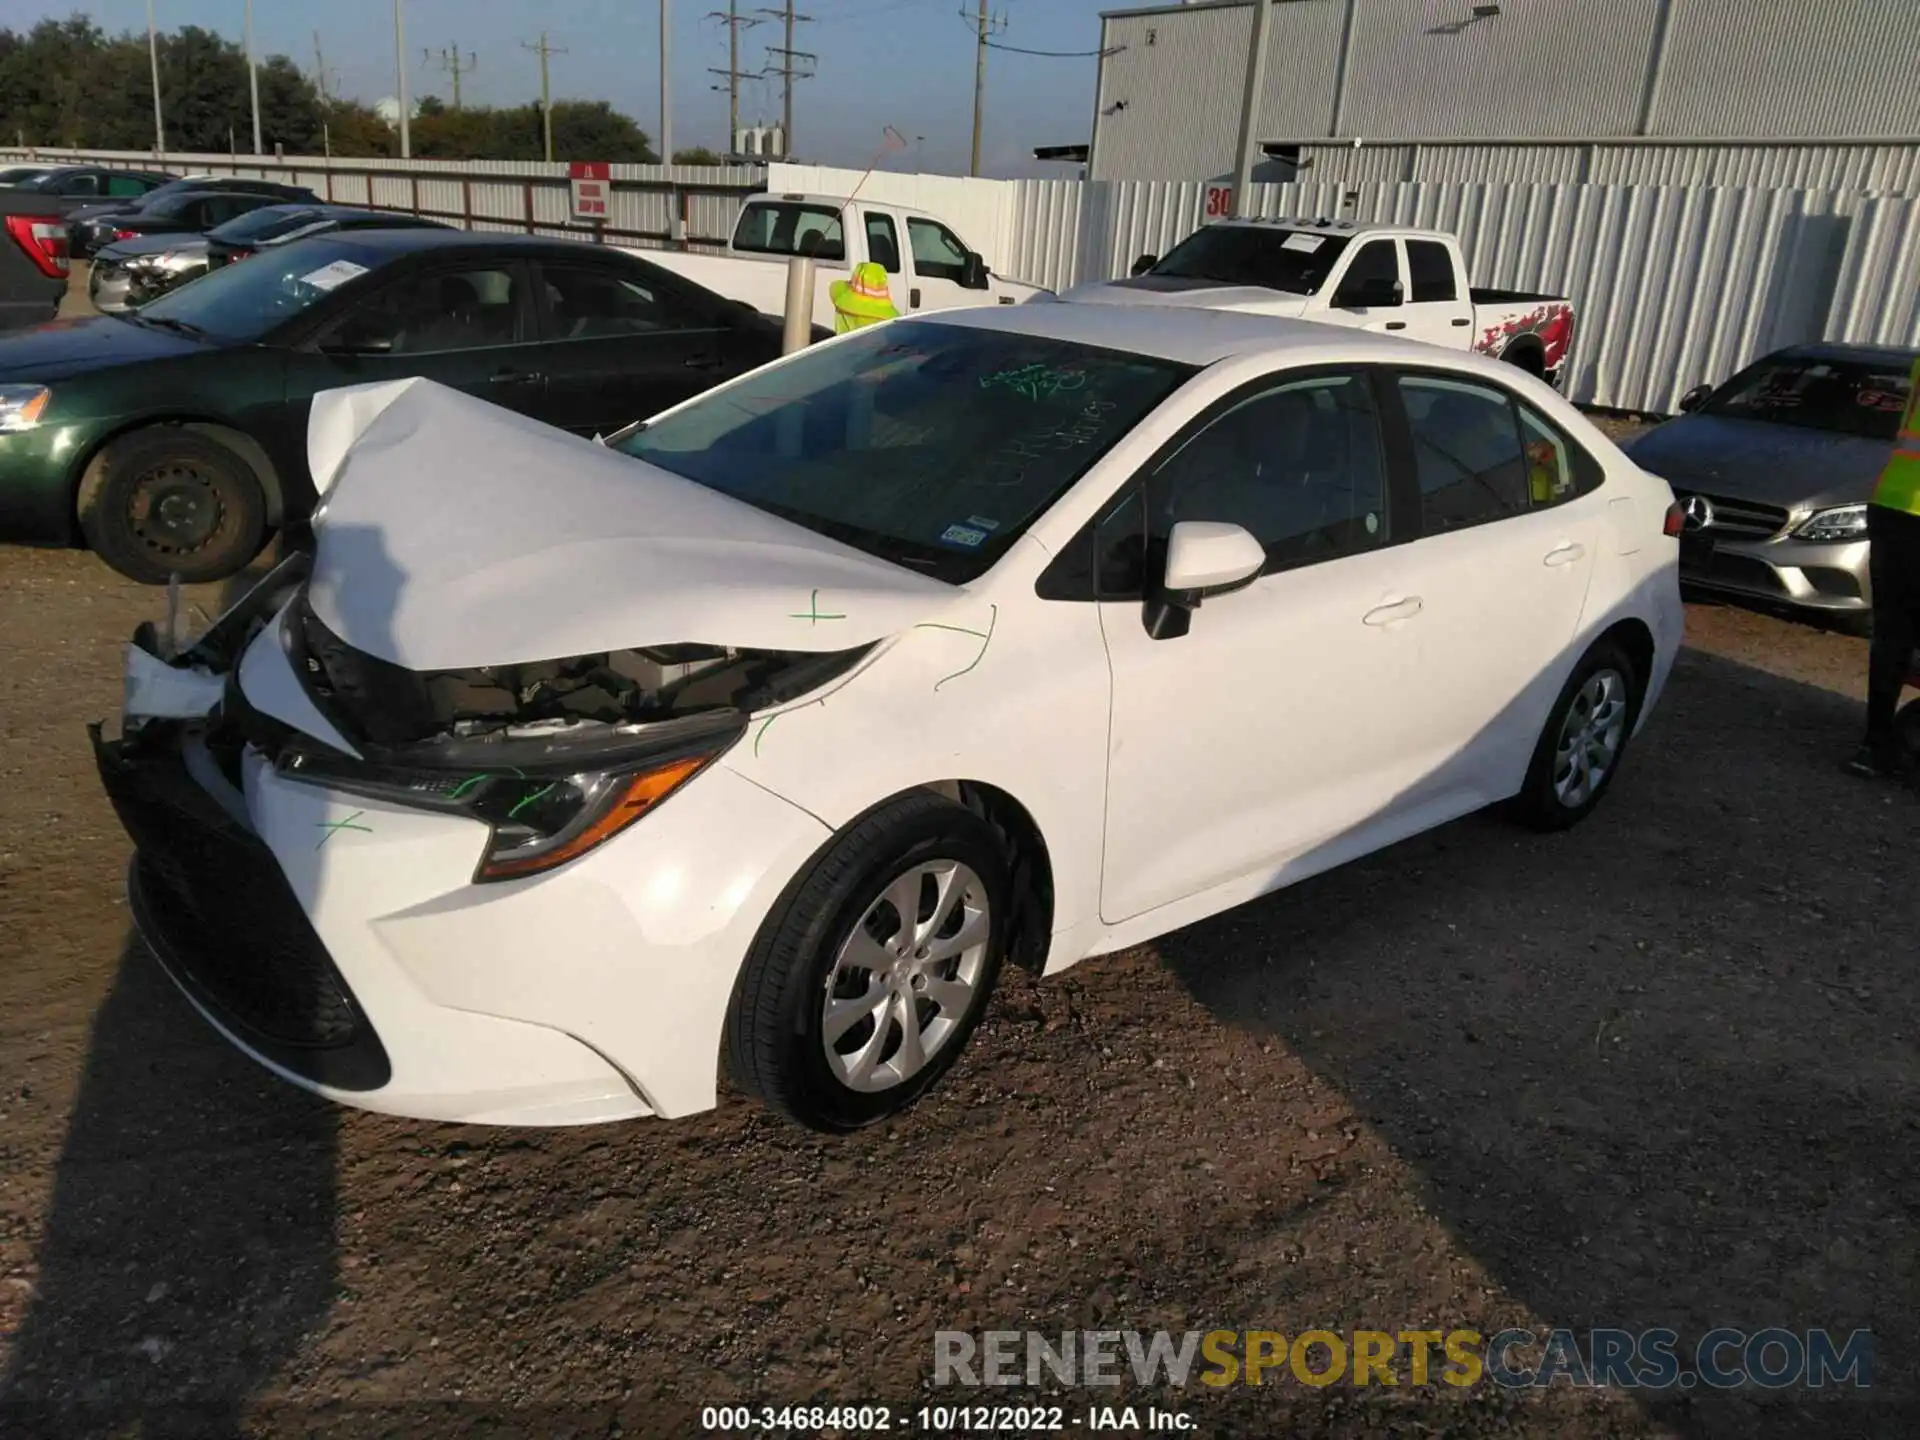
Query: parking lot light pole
x=253, y=79
x=153, y=62
x=400, y=69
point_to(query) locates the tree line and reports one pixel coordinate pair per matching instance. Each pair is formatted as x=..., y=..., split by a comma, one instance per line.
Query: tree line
x=67, y=83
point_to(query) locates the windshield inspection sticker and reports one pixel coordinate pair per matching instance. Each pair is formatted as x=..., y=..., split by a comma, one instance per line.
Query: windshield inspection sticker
x=330, y=277
x=1306, y=244
x=965, y=535
x=983, y=522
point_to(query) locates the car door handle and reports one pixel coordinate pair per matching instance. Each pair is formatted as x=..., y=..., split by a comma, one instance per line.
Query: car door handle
x=913, y=298
x=1394, y=610
x=1461, y=324
x=1396, y=324
x=515, y=377
x=706, y=361
x=1565, y=553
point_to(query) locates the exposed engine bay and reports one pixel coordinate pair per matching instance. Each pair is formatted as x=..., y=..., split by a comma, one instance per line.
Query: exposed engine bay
x=383, y=705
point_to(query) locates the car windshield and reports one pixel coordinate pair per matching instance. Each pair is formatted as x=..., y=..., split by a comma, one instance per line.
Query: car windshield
x=931, y=445
x=244, y=302
x=1296, y=261
x=257, y=226
x=1846, y=397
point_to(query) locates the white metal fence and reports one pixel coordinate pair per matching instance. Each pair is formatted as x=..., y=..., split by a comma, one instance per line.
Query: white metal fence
x=1673, y=285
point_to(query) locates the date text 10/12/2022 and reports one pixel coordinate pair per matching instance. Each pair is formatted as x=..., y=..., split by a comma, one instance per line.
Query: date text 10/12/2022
x=942, y=1419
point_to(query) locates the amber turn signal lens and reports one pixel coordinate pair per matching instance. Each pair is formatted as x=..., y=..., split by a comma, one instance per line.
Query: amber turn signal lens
x=633, y=797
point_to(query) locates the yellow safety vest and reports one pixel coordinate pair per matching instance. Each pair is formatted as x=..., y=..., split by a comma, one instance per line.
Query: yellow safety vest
x=1899, y=487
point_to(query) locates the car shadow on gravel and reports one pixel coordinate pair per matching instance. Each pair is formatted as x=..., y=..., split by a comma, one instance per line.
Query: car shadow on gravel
x=1657, y=1071
x=189, y=1246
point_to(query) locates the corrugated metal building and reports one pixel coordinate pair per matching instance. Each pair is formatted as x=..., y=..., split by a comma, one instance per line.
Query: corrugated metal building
x=1765, y=93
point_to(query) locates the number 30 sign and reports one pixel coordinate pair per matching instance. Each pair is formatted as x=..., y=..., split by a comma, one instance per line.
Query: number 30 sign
x=1219, y=204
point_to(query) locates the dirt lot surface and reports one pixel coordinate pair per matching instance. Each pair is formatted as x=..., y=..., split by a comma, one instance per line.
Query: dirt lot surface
x=1657, y=1072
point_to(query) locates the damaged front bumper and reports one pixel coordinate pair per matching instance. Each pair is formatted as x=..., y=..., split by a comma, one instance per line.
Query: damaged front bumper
x=340, y=938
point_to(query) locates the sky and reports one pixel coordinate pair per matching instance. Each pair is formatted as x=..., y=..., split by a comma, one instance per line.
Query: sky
x=905, y=63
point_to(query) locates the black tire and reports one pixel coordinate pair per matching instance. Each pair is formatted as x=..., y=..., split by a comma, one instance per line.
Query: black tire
x=1542, y=804
x=776, y=1044
x=168, y=500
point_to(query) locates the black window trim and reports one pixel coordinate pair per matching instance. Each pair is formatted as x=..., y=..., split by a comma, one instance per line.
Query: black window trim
x=1073, y=575
x=1588, y=473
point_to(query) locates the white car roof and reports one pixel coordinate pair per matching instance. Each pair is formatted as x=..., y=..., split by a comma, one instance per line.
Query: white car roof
x=1204, y=337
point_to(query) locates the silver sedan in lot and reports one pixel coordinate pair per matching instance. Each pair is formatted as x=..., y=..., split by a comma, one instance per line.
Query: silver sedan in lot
x=1773, y=470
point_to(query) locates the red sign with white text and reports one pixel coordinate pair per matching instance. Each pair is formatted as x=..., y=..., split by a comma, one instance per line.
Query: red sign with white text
x=592, y=185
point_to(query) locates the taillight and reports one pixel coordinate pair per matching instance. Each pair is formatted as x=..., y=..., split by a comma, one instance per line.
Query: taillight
x=239, y=255
x=44, y=238
x=1676, y=520
x=125, y=234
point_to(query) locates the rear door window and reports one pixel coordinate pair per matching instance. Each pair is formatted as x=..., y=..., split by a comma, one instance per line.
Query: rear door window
x=1468, y=456
x=791, y=228
x=588, y=302
x=1430, y=271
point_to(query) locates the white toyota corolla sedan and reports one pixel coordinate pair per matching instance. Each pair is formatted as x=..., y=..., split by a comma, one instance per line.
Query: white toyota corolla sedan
x=762, y=734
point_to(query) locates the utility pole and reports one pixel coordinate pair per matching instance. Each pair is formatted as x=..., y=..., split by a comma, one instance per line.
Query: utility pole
x=320, y=81
x=543, y=50
x=1250, y=112
x=734, y=22
x=400, y=66
x=153, y=62
x=986, y=27
x=450, y=62
x=794, y=65
x=666, y=103
x=253, y=79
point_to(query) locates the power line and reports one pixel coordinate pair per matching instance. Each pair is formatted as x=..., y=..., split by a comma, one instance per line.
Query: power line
x=451, y=63
x=794, y=65
x=544, y=49
x=1057, y=54
x=735, y=22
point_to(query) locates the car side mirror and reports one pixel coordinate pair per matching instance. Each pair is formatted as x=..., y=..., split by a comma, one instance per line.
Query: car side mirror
x=1366, y=294
x=1143, y=265
x=1695, y=398
x=973, y=272
x=1205, y=558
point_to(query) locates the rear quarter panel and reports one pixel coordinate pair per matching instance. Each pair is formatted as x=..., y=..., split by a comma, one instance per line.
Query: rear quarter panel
x=27, y=295
x=1499, y=326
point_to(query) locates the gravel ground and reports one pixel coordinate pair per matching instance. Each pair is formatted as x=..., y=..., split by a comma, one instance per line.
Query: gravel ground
x=1659, y=1071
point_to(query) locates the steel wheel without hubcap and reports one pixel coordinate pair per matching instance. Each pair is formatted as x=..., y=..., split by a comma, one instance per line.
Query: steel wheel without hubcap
x=907, y=977
x=1590, y=737
x=175, y=508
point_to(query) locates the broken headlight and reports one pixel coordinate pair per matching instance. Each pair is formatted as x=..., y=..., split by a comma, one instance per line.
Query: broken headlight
x=547, y=797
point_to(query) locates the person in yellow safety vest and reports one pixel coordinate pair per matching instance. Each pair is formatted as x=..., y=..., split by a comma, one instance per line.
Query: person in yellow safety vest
x=1543, y=472
x=1893, y=571
x=863, y=299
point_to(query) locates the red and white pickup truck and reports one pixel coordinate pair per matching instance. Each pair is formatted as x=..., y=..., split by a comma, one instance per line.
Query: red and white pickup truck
x=1371, y=277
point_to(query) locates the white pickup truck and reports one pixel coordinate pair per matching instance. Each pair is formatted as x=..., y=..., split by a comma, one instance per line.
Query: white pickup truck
x=1372, y=277
x=928, y=265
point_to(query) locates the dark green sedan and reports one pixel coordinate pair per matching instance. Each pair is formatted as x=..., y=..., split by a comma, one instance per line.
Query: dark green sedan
x=172, y=440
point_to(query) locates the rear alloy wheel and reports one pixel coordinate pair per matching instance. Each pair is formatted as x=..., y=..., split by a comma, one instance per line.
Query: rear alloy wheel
x=1583, y=743
x=169, y=501
x=869, y=976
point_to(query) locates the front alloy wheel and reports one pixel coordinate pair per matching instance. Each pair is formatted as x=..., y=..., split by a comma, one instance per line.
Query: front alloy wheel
x=908, y=976
x=872, y=970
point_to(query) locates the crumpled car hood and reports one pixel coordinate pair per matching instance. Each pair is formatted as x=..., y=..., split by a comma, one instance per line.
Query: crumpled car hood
x=454, y=533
